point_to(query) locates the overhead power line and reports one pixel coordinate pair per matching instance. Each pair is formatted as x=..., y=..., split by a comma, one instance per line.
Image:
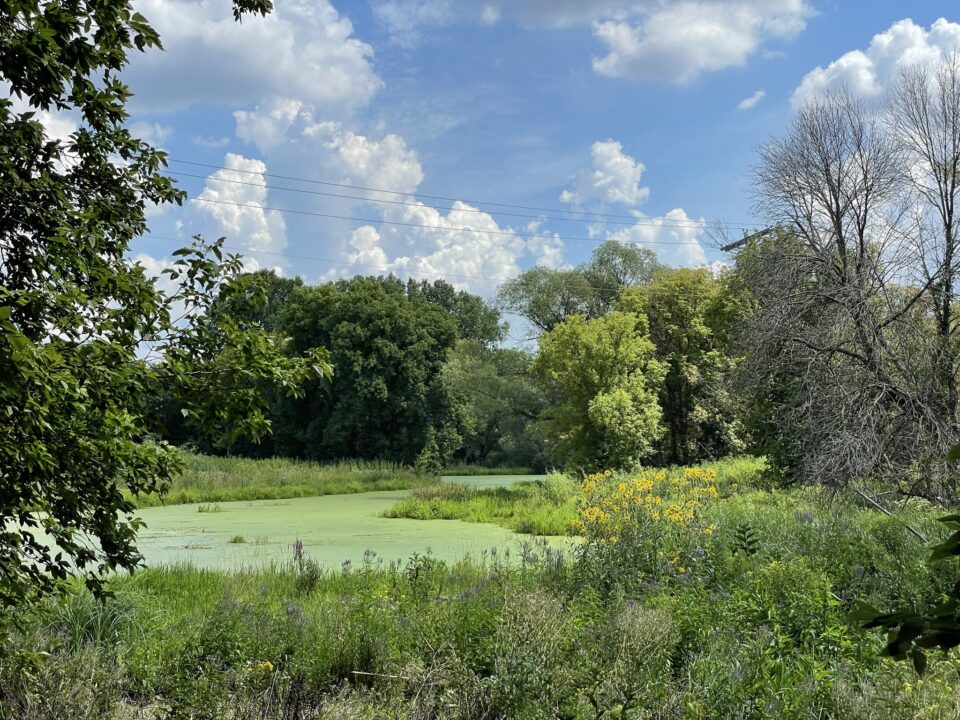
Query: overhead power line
x=533, y=208
x=644, y=221
x=367, y=266
x=374, y=221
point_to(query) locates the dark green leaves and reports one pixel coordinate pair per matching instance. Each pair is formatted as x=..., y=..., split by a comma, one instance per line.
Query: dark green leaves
x=954, y=454
x=910, y=634
x=77, y=318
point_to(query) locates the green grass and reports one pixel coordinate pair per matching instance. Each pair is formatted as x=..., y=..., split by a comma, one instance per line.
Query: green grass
x=760, y=634
x=471, y=470
x=211, y=480
x=540, y=507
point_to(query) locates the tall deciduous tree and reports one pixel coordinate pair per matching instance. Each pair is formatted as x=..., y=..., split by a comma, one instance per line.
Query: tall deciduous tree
x=75, y=314
x=499, y=405
x=387, y=399
x=603, y=378
x=546, y=297
x=854, y=293
x=692, y=318
x=475, y=319
x=924, y=119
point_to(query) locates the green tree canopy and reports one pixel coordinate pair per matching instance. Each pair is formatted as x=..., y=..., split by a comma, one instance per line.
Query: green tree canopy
x=276, y=292
x=475, y=319
x=546, y=297
x=603, y=378
x=386, y=399
x=615, y=266
x=76, y=315
x=499, y=404
x=692, y=318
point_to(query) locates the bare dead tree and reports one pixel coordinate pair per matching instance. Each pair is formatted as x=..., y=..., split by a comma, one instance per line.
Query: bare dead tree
x=843, y=343
x=924, y=118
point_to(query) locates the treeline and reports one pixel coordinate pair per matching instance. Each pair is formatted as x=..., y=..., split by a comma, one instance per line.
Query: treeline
x=630, y=368
x=831, y=345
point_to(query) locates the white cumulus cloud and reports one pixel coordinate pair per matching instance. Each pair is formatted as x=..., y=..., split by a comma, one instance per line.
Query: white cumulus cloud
x=232, y=204
x=386, y=163
x=614, y=179
x=674, y=237
x=301, y=49
x=468, y=248
x=869, y=72
x=460, y=243
x=645, y=39
x=153, y=133
x=267, y=125
x=679, y=41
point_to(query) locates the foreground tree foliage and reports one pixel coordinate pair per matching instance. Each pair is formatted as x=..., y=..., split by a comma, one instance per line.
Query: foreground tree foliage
x=75, y=314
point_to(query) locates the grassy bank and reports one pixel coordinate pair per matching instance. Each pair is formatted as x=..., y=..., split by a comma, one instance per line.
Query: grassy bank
x=209, y=479
x=473, y=470
x=718, y=601
x=542, y=507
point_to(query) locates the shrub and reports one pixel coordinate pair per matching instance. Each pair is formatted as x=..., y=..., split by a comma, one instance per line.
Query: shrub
x=645, y=525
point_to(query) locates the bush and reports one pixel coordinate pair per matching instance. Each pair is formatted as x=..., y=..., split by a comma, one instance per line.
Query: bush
x=644, y=526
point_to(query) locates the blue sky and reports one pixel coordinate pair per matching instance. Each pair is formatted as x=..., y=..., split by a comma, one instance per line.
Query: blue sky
x=645, y=110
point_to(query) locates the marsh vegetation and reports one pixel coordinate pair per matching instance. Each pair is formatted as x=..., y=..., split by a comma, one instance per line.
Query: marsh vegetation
x=220, y=493
x=725, y=598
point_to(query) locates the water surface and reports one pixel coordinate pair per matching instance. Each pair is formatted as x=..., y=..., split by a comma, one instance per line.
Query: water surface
x=333, y=529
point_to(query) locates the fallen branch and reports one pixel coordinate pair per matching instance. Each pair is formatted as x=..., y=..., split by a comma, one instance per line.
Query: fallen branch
x=881, y=508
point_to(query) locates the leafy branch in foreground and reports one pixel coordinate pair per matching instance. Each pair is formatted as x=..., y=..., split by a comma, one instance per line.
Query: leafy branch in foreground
x=911, y=634
x=75, y=313
x=218, y=359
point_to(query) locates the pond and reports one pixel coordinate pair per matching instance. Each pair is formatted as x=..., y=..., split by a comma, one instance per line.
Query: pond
x=333, y=529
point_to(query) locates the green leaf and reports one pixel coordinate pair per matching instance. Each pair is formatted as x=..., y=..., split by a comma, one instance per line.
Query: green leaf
x=863, y=612
x=954, y=453
x=919, y=661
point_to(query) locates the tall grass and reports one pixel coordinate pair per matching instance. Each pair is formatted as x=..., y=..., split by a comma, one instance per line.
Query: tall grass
x=209, y=479
x=476, y=470
x=540, y=507
x=759, y=632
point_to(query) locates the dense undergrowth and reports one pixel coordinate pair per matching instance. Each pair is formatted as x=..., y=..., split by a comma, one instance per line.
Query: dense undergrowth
x=208, y=479
x=719, y=600
x=544, y=507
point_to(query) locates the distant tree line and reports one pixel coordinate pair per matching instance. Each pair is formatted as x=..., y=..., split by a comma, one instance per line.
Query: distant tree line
x=630, y=368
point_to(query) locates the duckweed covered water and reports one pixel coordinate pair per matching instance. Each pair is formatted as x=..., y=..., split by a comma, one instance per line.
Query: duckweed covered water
x=333, y=528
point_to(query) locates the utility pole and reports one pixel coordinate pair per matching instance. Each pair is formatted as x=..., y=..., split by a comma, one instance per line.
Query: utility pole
x=729, y=247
